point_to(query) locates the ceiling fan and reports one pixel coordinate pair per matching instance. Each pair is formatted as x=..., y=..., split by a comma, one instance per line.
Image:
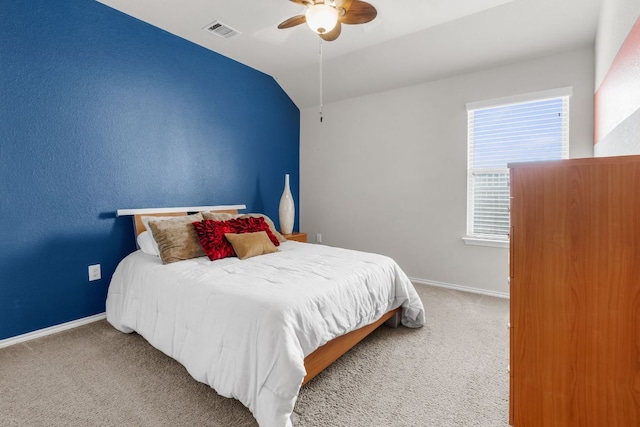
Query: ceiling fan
x=326, y=17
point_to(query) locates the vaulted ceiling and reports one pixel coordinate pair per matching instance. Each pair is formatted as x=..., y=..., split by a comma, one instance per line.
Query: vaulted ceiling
x=409, y=42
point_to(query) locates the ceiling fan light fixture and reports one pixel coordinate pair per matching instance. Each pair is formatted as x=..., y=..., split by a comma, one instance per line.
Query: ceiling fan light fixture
x=321, y=18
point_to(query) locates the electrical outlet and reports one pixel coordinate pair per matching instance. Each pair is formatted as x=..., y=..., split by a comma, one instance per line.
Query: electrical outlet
x=94, y=272
x=318, y=238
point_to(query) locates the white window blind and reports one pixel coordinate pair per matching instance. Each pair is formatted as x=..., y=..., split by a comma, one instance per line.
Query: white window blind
x=503, y=132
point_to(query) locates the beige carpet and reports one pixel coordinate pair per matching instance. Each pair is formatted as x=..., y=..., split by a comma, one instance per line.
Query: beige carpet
x=452, y=372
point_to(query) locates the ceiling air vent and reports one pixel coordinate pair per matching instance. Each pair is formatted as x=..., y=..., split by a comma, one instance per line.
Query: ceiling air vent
x=222, y=30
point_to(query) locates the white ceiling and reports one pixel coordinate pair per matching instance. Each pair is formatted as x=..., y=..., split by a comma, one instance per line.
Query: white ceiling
x=410, y=41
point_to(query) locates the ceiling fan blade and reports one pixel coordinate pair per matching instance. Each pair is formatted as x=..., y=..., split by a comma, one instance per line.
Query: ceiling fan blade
x=292, y=22
x=360, y=12
x=333, y=34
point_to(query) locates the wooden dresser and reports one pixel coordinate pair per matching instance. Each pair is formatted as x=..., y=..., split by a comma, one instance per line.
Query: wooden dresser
x=575, y=293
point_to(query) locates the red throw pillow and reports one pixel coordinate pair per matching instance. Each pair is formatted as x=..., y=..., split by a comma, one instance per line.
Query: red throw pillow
x=216, y=246
x=211, y=236
x=252, y=225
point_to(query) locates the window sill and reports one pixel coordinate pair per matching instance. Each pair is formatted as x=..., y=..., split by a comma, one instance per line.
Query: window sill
x=479, y=241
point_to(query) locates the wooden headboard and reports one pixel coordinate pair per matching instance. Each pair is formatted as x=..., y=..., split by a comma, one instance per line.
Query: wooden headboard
x=138, y=226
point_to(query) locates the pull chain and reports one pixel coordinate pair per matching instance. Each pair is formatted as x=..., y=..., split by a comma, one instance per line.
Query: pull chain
x=320, y=80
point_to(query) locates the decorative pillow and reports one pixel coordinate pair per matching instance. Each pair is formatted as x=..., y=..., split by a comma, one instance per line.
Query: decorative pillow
x=211, y=237
x=211, y=234
x=218, y=216
x=145, y=221
x=147, y=244
x=176, y=238
x=251, y=224
x=247, y=245
x=223, y=216
x=272, y=227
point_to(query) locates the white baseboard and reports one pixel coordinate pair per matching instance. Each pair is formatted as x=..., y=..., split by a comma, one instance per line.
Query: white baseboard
x=460, y=288
x=51, y=330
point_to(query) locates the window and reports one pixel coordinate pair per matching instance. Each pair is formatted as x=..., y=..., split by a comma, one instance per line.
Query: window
x=523, y=128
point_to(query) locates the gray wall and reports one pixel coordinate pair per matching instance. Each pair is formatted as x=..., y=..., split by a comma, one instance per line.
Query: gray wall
x=386, y=172
x=616, y=20
x=617, y=100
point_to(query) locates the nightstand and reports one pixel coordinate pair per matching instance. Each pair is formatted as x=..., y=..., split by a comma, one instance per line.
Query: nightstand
x=298, y=237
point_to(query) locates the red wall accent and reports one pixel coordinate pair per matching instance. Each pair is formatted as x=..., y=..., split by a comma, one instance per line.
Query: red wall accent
x=619, y=93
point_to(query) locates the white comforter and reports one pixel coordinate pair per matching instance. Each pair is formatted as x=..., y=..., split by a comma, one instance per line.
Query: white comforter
x=245, y=327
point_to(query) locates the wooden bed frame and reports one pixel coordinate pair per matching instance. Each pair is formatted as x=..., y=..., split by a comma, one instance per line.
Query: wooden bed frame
x=324, y=355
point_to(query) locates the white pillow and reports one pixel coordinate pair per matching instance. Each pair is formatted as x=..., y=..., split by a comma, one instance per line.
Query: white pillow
x=147, y=244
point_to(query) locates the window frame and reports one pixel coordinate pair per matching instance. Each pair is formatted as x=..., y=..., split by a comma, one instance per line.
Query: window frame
x=502, y=241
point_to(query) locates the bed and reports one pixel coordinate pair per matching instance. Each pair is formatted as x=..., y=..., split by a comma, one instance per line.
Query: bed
x=258, y=329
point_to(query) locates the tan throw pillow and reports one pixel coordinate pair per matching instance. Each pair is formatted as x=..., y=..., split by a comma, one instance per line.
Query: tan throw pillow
x=272, y=227
x=177, y=240
x=218, y=216
x=247, y=245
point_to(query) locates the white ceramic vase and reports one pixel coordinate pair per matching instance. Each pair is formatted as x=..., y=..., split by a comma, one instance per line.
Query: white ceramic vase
x=287, y=209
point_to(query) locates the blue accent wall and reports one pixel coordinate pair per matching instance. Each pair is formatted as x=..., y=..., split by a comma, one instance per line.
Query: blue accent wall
x=100, y=111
